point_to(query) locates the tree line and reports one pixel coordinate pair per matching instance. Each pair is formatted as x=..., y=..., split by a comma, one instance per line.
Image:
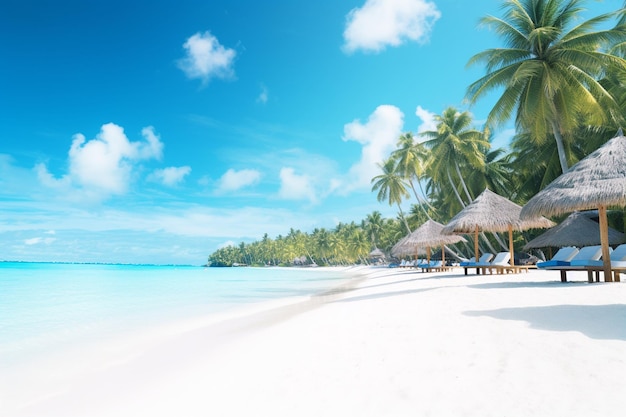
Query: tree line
x=559, y=77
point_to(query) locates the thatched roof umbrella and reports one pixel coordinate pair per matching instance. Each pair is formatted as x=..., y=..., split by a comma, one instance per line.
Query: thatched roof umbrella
x=597, y=181
x=376, y=253
x=491, y=212
x=576, y=230
x=429, y=235
x=401, y=249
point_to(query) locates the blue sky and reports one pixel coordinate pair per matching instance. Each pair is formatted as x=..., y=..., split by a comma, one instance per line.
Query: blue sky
x=158, y=131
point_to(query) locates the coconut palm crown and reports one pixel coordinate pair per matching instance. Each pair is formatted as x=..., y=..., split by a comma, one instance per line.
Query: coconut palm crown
x=550, y=68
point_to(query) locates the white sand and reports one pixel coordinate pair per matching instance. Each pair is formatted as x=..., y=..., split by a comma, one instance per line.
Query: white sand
x=402, y=344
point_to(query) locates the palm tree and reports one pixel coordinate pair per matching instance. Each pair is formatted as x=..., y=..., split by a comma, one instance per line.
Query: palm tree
x=549, y=70
x=321, y=237
x=410, y=157
x=391, y=186
x=497, y=175
x=453, y=144
x=374, y=226
x=358, y=243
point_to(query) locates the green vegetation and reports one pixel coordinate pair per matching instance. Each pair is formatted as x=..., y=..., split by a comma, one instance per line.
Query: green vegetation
x=562, y=80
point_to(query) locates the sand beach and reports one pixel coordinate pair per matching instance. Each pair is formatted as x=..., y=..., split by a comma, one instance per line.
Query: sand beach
x=393, y=342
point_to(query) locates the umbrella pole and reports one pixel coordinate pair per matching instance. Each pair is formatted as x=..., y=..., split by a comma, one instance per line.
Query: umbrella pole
x=428, y=255
x=512, y=260
x=604, y=240
x=443, y=255
x=476, y=243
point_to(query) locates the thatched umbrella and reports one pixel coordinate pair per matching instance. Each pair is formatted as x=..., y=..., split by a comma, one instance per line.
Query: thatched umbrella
x=376, y=253
x=597, y=181
x=429, y=235
x=490, y=212
x=576, y=230
x=401, y=249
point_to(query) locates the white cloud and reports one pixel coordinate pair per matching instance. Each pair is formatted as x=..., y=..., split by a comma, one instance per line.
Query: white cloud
x=38, y=240
x=428, y=120
x=380, y=23
x=104, y=165
x=296, y=187
x=153, y=148
x=206, y=58
x=234, y=180
x=378, y=137
x=263, y=96
x=170, y=176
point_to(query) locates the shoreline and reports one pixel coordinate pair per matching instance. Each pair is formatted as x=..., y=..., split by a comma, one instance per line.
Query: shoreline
x=384, y=342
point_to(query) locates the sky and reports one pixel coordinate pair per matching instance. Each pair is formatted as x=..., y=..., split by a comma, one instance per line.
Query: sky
x=157, y=131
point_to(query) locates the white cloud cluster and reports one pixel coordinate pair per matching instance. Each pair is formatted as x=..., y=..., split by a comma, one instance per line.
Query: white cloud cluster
x=235, y=180
x=39, y=240
x=380, y=23
x=295, y=186
x=170, y=176
x=428, y=120
x=206, y=58
x=104, y=165
x=378, y=137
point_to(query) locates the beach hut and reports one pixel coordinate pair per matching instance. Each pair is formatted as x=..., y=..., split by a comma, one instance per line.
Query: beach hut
x=595, y=182
x=576, y=230
x=430, y=235
x=490, y=212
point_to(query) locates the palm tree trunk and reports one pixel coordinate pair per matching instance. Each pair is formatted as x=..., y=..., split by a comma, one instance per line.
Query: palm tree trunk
x=458, y=196
x=404, y=219
x=560, y=147
x=458, y=172
x=424, y=194
x=489, y=245
x=419, y=200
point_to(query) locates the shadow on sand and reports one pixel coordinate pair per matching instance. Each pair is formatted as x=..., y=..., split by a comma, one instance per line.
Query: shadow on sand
x=594, y=321
x=383, y=295
x=527, y=284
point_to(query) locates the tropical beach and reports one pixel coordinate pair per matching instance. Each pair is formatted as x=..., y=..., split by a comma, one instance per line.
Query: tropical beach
x=358, y=208
x=387, y=341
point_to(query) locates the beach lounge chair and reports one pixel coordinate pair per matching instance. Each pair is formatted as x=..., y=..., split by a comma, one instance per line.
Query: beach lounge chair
x=501, y=260
x=579, y=262
x=434, y=266
x=465, y=262
x=484, y=259
x=618, y=263
x=561, y=258
x=501, y=264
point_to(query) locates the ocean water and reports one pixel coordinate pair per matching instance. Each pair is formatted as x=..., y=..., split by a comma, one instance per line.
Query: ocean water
x=49, y=307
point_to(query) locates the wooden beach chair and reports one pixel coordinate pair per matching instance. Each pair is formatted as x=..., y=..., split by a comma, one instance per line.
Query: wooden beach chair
x=579, y=262
x=618, y=264
x=500, y=261
x=561, y=258
x=484, y=259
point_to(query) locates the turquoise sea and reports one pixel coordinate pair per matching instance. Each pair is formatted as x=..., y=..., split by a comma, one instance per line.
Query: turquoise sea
x=47, y=307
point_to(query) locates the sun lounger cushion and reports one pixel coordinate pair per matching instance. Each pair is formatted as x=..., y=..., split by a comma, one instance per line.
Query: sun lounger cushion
x=561, y=258
x=582, y=258
x=482, y=261
x=618, y=259
x=431, y=264
x=468, y=262
x=501, y=259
